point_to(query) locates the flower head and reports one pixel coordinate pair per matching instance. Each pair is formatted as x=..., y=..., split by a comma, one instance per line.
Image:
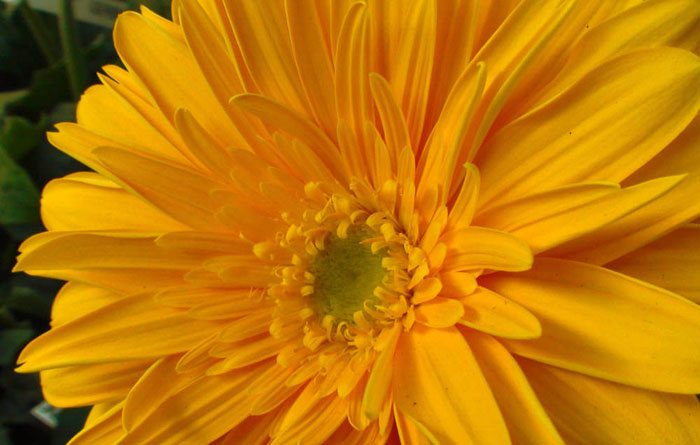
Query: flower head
x=370, y=222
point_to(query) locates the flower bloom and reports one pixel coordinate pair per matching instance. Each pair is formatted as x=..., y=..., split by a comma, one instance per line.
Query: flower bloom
x=368, y=222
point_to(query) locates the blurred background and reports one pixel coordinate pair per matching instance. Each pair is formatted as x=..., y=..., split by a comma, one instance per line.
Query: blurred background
x=50, y=51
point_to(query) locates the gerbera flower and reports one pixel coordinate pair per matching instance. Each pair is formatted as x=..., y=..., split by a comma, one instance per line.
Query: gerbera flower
x=369, y=222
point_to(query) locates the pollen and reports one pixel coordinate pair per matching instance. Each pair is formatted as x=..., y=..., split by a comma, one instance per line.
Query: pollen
x=345, y=275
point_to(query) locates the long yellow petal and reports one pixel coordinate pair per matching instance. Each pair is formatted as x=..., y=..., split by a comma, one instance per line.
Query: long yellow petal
x=91, y=384
x=131, y=328
x=658, y=217
x=548, y=219
x=527, y=421
x=654, y=23
x=607, y=325
x=75, y=300
x=84, y=250
x=169, y=72
x=487, y=311
x=313, y=60
x=180, y=192
x=262, y=35
x=378, y=387
x=352, y=90
x=202, y=411
x=438, y=384
x=278, y=115
x=87, y=201
x=476, y=248
x=320, y=421
x=671, y=262
x=440, y=312
x=99, y=100
x=413, y=62
x=106, y=429
x=160, y=382
x=587, y=410
x=559, y=143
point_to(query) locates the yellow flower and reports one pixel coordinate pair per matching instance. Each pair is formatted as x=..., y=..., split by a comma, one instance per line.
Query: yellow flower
x=382, y=221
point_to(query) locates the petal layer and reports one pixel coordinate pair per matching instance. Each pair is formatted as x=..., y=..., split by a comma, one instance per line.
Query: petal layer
x=560, y=143
x=587, y=410
x=607, y=325
x=439, y=385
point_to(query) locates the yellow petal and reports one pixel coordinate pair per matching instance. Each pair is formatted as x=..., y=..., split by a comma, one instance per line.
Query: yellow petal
x=156, y=385
x=131, y=328
x=78, y=142
x=262, y=35
x=221, y=70
x=83, y=250
x=75, y=300
x=378, y=387
x=439, y=385
x=99, y=100
x=206, y=151
x=253, y=430
x=169, y=72
x=322, y=418
x=126, y=86
x=200, y=412
x=245, y=353
x=463, y=210
x=413, y=61
x=409, y=431
x=607, y=325
x=91, y=384
x=658, y=217
x=250, y=325
x=587, y=410
x=426, y=290
x=560, y=143
x=87, y=201
x=439, y=312
x=546, y=220
x=352, y=90
x=671, y=262
x=271, y=389
x=393, y=122
x=348, y=435
x=97, y=411
x=476, y=248
x=438, y=160
x=178, y=191
x=532, y=67
x=457, y=284
x=454, y=46
x=657, y=23
x=298, y=126
x=487, y=311
x=527, y=421
x=105, y=429
x=313, y=61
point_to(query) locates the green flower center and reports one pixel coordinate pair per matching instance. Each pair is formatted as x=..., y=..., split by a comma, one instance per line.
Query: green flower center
x=346, y=273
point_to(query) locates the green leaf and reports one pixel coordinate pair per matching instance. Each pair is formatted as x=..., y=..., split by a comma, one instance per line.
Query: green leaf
x=9, y=97
x=19, y=136
x=12, y=340
x=70, y=421
x=48, y=87
x=19, y=198
x=29, y=301
x=4, y=436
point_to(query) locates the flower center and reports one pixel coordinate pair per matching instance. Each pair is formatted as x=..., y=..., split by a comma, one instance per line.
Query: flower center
x=345, y=275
